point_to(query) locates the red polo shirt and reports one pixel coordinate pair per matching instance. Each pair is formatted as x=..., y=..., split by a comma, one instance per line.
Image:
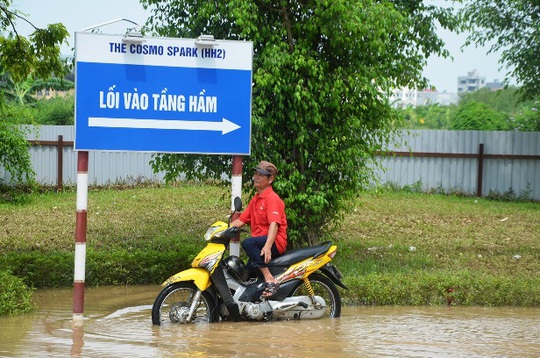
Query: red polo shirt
x=263, y=210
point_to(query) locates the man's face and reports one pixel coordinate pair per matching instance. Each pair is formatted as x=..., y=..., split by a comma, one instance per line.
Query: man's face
x=261, y=181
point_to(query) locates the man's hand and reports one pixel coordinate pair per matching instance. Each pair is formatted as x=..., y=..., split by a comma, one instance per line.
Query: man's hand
x=267, y=253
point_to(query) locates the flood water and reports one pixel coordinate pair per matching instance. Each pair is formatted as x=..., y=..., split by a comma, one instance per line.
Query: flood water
x=117, y=324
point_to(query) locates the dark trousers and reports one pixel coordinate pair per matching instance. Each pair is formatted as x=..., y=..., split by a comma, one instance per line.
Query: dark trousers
x=253, y=246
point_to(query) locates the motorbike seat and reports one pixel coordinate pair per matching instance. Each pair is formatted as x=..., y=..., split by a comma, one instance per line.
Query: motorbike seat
x=294, y=256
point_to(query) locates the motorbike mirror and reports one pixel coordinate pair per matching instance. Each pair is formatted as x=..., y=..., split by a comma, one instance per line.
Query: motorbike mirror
x=237, y=203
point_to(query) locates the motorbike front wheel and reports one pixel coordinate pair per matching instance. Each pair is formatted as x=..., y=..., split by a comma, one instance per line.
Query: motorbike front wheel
x=173, y=304
x=322, y=286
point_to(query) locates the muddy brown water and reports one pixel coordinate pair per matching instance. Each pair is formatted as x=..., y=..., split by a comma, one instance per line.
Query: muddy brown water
x=117, y=324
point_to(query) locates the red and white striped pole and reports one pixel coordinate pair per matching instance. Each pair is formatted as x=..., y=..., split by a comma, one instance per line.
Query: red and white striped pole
x=80, y=237
x=236, y=181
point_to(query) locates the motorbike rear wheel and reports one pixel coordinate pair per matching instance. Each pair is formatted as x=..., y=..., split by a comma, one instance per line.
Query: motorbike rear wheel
x=173, y=303
x=325, y=288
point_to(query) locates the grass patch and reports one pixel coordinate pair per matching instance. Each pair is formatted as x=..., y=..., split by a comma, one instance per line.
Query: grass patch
x=394, y=247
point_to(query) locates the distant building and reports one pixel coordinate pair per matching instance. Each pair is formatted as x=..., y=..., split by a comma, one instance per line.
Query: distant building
x=495, y=85
x=446, y=98
x=405, y=97
x=52, y=93
x=470, y=83
x=427, y=97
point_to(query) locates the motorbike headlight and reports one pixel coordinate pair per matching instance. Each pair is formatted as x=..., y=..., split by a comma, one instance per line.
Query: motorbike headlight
x=211, y=231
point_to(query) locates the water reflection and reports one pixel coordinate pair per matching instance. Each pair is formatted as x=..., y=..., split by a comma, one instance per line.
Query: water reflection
x=117, y=323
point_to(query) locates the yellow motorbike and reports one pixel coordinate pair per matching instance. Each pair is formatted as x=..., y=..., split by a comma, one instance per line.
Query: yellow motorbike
x=223, y=288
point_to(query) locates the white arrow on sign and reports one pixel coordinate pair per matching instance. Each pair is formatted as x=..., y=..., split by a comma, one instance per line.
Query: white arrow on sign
x=225, y=126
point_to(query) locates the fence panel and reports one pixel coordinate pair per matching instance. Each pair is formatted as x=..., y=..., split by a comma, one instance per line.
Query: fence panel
x=45, y=157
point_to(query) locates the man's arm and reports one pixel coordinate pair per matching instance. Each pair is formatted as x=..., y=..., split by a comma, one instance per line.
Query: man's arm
x=267, y=248
x=239, y=223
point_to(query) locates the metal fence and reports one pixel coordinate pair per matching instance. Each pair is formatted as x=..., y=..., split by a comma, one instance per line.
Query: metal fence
x=473, y=162
x=477, y=162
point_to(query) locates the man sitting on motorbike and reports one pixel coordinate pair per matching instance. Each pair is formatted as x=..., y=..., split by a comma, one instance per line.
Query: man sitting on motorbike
x=265, y=214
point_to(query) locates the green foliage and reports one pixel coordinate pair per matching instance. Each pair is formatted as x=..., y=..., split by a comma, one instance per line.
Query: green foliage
x=106, y=267
x=15, y=296
x=16, y=194
x=478, y=116
x=35, y=57
x=15, y=113
x=432, y=116
x=14, y=155
x=461, y=287
x=323, y=71
x=528, y=118
x=38, y=54
x=54, y=111
x=513, y=27
x=52, y=269
x=22, y=92
x=136, y=267
x=522, y=115
x=505, y=100
x=518, y=115
x=510, y=195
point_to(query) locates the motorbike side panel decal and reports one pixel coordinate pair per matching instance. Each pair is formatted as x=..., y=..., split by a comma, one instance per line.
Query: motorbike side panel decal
x=199, y=276
x=209, y=257
x=305, y=268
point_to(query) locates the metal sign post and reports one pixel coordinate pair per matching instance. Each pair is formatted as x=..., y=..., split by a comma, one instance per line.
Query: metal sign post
x=236, y=181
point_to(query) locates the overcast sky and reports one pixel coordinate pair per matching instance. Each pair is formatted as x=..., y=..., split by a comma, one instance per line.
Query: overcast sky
x=77, y=15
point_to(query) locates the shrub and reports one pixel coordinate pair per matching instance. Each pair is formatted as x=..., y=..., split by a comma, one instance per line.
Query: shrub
x=478, y=116
x=114, y=267
x=55, y=111
x=463, y=288
x=14, y=155
x=15, y=296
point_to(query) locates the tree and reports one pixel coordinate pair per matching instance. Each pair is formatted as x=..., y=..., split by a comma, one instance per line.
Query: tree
x=514, y=26
x=22, y=91
x=323, y=71
x=478, y=116
x=38, y=55
x=528, y=118
x=14, y=155
x=505, y=100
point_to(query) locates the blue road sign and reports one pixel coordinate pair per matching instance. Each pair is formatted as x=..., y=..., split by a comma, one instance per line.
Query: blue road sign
x=162, y=95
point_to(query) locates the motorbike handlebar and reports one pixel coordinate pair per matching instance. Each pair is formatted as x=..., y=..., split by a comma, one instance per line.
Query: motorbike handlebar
x=233, y=231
